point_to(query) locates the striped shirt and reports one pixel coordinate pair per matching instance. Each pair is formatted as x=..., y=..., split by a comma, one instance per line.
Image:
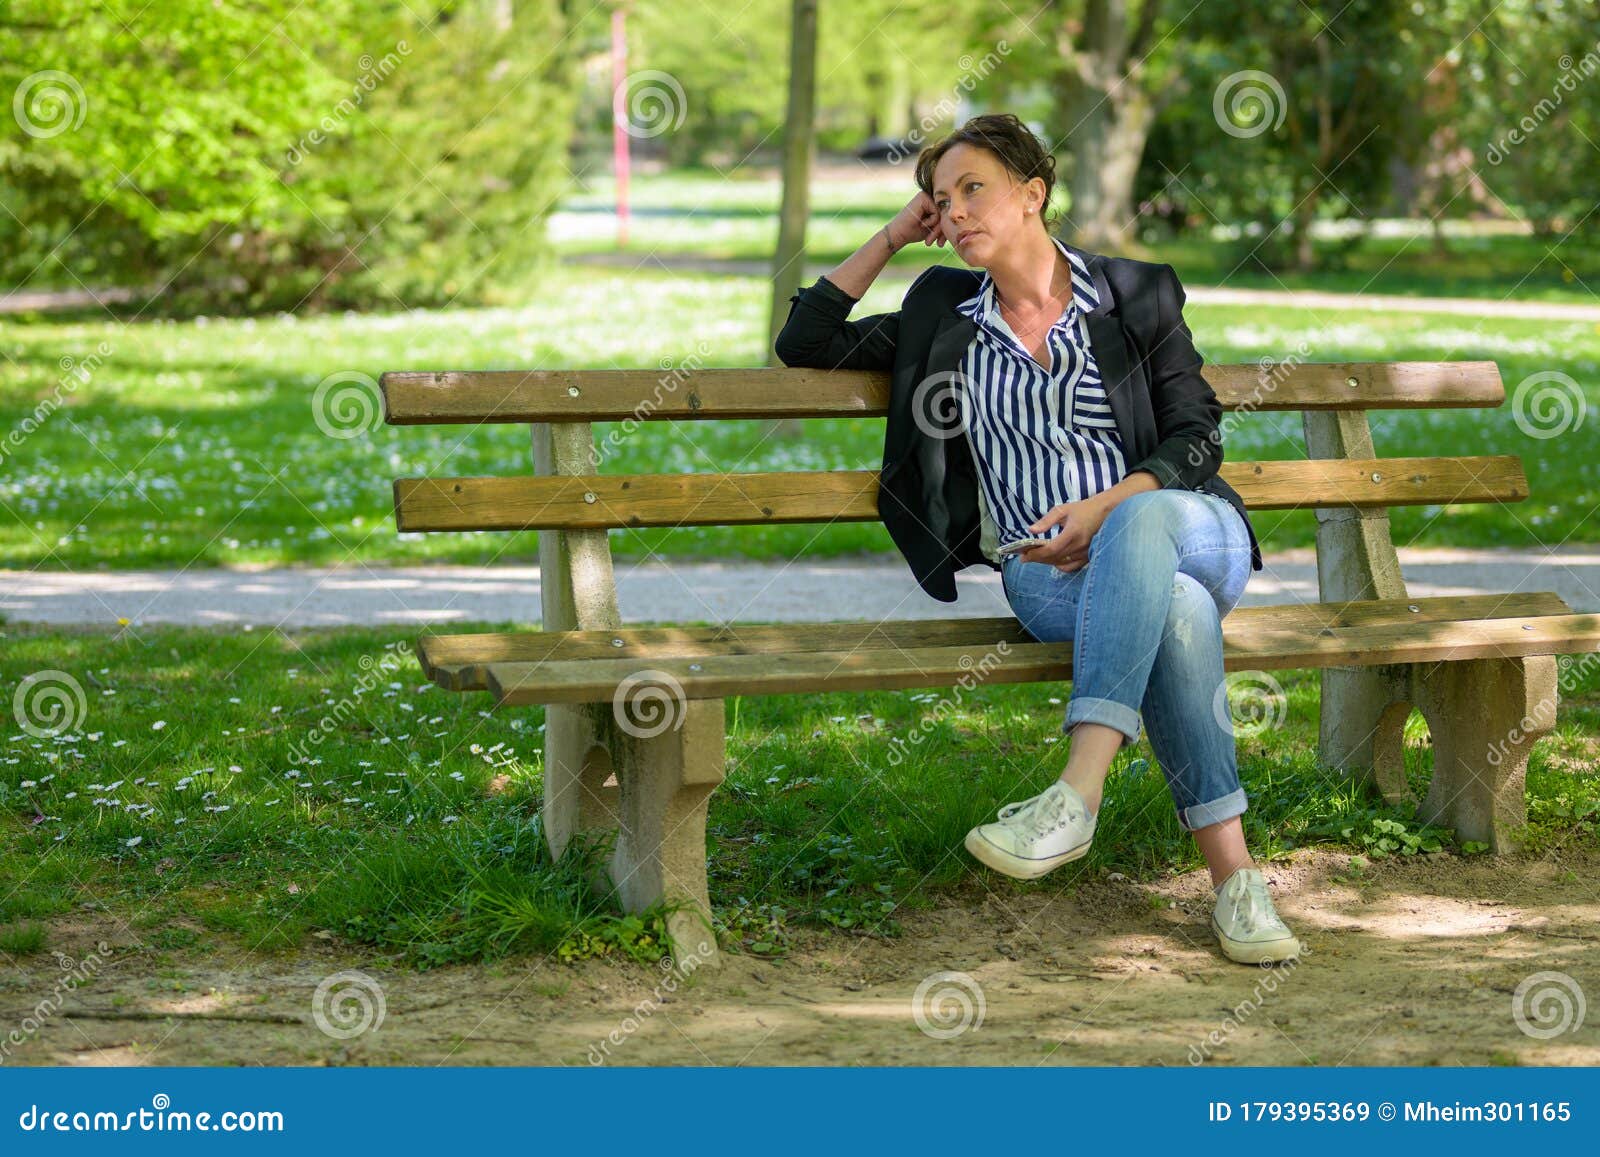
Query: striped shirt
x=1040, y=436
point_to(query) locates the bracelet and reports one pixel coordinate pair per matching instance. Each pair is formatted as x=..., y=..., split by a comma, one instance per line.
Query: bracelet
x=888, y=242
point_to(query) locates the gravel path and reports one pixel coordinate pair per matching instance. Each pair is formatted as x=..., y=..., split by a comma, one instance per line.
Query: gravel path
x=732, y=591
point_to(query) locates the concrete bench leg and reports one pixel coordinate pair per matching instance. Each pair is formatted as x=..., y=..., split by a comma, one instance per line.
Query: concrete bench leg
x=578, y=804
x=1485, y=716
x=1362, y=730
x=667, y=781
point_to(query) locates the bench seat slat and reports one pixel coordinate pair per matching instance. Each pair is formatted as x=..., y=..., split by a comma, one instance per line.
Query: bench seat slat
x=1244, y=648
x=457, y=397
x=567, y=502
x=459, y=662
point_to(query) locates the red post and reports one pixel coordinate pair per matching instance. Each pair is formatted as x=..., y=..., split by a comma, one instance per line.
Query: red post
x=619, y=121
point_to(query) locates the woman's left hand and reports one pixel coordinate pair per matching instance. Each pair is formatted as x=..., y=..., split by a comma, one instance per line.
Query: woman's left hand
x=1069, y=550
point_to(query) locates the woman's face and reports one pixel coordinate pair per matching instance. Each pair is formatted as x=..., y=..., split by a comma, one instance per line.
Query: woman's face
x=982, y=207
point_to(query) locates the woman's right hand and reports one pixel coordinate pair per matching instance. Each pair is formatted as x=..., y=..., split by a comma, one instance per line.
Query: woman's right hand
x=918, y=221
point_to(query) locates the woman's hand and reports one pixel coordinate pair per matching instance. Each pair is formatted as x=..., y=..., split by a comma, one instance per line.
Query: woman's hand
x=1069, y=550
x=918, y=221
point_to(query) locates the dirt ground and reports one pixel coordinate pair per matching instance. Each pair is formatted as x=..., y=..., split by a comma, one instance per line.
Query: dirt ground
x=1419, y=963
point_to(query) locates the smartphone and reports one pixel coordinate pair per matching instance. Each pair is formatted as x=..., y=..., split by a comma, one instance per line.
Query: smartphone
x=1021, y=544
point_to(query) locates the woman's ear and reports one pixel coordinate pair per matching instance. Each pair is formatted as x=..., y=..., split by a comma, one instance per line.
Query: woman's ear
x=1036, y=196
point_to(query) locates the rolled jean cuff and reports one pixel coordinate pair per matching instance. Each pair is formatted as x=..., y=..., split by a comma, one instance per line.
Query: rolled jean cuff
x=1203, y=815
x=1109, y=712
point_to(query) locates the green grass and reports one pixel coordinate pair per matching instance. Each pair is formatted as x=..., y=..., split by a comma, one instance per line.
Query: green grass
x=415, y=828
x=727, y=217
x=195, y=443
x=22, y=940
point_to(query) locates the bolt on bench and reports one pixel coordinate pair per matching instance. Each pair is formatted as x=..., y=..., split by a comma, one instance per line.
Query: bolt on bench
x=634, y=740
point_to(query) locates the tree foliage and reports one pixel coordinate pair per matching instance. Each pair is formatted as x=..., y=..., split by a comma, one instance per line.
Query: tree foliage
x=274, y=154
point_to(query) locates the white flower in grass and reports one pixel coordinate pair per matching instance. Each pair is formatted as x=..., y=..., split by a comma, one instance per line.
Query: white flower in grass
x=133, y=841
x=158, y=725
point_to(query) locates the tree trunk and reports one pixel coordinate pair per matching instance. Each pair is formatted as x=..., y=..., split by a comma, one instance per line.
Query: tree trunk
x=1305, y=215
x=798, y=145
x=1105, y=119
x=1106, y=146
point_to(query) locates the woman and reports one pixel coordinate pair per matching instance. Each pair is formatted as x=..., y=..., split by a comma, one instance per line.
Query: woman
x=1109, y=459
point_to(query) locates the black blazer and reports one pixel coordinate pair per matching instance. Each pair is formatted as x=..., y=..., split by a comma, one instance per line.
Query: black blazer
x=1166, y=412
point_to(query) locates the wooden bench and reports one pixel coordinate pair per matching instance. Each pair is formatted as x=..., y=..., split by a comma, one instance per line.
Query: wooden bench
x=634, y=740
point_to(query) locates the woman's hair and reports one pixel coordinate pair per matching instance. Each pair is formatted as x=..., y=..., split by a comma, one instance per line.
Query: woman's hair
x=1008, y=139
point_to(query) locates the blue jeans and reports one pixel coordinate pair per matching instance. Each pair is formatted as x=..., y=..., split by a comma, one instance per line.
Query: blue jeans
x=1144, y=615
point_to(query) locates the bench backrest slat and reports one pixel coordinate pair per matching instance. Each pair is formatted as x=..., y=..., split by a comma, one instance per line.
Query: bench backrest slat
x=447, y=398
x=597, y=501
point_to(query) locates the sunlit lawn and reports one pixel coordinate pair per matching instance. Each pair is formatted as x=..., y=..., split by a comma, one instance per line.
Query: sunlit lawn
x=411, y=825
x=196, y=442
x=733, y=216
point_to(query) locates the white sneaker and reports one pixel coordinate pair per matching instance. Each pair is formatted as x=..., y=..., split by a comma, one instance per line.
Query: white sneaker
x=1246, y=922
x=1037, y=835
